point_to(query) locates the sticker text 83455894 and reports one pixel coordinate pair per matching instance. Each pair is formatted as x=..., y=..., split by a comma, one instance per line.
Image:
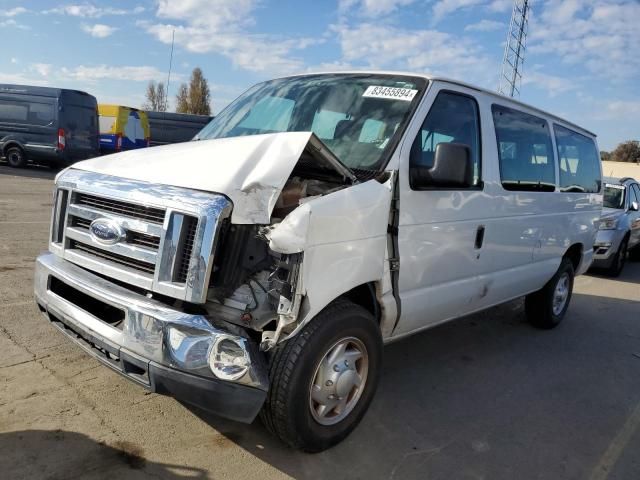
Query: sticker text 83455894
x=392, y=93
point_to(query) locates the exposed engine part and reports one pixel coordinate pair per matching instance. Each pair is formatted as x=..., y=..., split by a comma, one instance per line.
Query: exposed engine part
x=243, y=254
x=250, y=305
x=297, y=190
x=286, y=282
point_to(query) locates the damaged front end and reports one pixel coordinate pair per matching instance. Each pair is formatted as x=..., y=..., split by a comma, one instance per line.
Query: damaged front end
x=178, y=278
x=258, y=281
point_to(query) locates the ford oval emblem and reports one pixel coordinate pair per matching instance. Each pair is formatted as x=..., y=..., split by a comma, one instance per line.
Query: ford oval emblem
x=106, y=231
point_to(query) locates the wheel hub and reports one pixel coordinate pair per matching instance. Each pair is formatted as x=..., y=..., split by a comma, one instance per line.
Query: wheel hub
x=560, y=294
x=339, y=380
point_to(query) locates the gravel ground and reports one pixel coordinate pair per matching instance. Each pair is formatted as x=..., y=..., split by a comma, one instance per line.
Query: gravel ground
x=485, y=397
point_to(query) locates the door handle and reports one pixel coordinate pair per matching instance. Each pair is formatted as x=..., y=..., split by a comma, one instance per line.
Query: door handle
x=479, y=237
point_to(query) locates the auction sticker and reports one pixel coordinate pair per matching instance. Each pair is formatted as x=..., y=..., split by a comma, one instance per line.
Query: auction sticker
x=392, y=93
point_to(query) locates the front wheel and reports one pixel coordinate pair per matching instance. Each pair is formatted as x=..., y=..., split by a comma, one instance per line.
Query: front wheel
x=546, y=307
x=323, y=379
x=620, y=258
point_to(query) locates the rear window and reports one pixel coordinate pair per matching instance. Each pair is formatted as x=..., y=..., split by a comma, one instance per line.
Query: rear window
x=525, y=150
x=31, y=113
x=107, y=124
x=579, y=161
x=77, y=118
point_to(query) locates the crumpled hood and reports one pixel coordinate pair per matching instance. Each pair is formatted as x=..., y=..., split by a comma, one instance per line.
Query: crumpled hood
x=250, y=170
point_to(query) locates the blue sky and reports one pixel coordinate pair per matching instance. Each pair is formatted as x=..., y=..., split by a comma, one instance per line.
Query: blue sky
x=582, y=61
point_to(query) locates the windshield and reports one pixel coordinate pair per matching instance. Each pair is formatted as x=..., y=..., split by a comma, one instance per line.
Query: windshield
x=613, y=196
x=359, y=117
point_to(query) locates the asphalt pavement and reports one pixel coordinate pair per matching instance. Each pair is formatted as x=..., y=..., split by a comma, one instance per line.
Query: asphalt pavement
x=484, y=397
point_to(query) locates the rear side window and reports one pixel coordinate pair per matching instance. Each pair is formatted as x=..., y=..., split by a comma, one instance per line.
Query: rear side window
x=525, y=150
x=579, y=161
x=31, y=113
x=635, y=194
x=453, y=118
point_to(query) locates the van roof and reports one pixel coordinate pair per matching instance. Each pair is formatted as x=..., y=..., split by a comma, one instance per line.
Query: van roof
x=41, y=91
x=112, y=109
x=435, y=78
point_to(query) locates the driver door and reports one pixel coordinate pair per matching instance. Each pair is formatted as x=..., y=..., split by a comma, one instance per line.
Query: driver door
x=439, y=239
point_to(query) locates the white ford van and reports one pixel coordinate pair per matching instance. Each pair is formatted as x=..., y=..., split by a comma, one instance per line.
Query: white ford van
x=261, y=267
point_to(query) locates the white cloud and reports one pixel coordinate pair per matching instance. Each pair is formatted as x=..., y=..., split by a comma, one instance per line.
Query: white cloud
x=99, y=30
x=14, y=60
x=627, y=108
x=112, y=72
x=380, y=46
x=10, y=22
x=87, y=10
x=442, y=8
x=42, y=69
x=552, y=84
x=600, y=35
x=22, y=79
x=373, y=8
x=12, y=12
x=501, y=6
x=485, y=26
x=220, y=26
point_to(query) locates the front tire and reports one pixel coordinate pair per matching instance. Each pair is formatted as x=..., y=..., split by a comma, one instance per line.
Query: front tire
x=546, y=308
x=15, y=157
x=619, y=260
x=324, y=378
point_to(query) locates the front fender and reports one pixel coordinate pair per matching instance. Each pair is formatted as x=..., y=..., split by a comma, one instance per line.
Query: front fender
x=344, y=238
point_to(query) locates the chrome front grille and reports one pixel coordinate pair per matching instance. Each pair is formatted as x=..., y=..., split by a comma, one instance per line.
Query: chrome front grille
x=127, y=209
x=113, y=257
x=164, y=236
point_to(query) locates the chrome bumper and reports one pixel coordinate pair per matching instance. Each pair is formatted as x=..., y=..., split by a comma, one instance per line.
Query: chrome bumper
x=161, y=348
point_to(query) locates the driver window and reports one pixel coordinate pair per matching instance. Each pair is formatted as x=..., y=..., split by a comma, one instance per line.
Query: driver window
x=453, y=118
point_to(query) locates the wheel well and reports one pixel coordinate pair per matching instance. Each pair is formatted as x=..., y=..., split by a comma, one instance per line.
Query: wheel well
x=365, y=296
x=574, y=253
x=8, y=145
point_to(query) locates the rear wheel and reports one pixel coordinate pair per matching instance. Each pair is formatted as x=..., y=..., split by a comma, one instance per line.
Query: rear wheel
x=546, y=307
x=620, y=258
x=15, y=157
x=323, y=379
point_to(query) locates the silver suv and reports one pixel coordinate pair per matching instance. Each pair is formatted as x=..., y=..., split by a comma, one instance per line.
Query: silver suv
x=619, y=230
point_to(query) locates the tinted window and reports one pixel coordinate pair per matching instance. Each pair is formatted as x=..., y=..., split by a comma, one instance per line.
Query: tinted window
x=453, y=118
x=634, y=194
x=579, y=161
x=525, y=150
x=33, y=113
x=80, y=118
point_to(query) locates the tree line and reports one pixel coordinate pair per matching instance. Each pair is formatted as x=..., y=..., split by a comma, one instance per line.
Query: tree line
x=628, y=151
x=193, y=97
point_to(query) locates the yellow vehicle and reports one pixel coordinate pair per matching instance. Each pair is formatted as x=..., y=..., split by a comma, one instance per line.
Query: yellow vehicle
x=122, y=128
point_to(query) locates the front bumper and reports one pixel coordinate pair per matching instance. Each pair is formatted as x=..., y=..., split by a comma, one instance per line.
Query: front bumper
x=605, y=247
x=158, y=347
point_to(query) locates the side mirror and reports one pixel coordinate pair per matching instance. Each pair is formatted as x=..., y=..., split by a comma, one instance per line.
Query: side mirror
x=633, y=207
x=452, y=168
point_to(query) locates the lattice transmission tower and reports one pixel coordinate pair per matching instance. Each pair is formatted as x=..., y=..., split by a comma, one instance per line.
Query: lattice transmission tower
x=512, y=63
